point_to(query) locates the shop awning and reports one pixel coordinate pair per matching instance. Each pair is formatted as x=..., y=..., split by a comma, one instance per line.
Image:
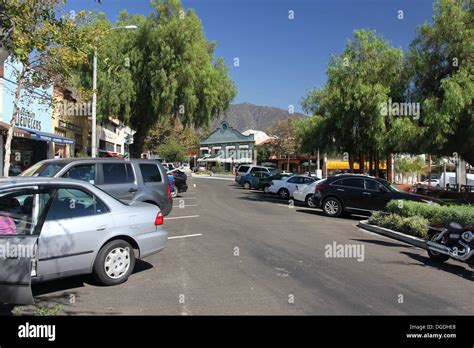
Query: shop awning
x=51, y=137
x=17, y=132
x=113, y=154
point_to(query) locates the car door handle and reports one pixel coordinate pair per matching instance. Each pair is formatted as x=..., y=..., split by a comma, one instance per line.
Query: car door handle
x=133, y=190
x=367, y=193
x=342, y=190
x=101, y=228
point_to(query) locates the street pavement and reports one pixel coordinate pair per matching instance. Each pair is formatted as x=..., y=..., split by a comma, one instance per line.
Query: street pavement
x=233, y=251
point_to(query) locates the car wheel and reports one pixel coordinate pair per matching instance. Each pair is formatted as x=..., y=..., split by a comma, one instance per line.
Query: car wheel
x=310, y=202
x=332, y=207
x=114, y=263
x=174, y=193
x=247, y=185
x=266, y=189
x=283, y=193
x=434, y=255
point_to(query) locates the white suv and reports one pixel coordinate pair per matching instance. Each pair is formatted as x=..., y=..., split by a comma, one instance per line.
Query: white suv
x=245, y=169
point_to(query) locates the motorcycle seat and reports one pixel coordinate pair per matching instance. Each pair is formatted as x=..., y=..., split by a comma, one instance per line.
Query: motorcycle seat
x=454, y=227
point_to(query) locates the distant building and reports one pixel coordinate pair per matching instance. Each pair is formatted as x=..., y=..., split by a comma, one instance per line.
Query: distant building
x=226, y=147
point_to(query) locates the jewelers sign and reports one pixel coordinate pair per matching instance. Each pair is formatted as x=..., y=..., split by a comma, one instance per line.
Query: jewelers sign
x=26, y=119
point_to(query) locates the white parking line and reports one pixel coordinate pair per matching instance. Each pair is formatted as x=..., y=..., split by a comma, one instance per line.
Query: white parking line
x=186, y=236
x=186, y=198
x=181, y=217
x=185, y=205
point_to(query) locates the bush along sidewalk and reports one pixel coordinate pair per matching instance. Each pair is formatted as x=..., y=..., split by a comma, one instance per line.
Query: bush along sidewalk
x=437, y=215
x=415, y=218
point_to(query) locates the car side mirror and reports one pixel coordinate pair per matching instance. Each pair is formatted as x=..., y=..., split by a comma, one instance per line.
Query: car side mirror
x=383, y=189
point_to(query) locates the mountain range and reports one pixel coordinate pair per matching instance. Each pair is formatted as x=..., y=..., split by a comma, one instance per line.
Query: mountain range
x=245, y=116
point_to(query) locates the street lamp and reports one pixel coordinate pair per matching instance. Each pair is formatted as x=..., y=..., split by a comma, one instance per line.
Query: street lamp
x=94, y=93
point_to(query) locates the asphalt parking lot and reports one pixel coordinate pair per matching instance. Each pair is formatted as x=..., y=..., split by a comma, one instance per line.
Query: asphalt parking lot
x=233, y=251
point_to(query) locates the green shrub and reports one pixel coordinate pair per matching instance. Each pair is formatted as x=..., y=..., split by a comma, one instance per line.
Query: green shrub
x=414, y=225
x=435, y=214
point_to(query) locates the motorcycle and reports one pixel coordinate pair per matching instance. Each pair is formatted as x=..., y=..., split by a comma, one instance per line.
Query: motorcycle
x=453, y=241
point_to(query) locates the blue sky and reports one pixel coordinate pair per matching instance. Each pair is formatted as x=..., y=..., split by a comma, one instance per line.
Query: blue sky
x=282, y=59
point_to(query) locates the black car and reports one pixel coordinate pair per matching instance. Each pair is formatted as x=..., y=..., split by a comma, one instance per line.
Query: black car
x=180, y=180
x=359, y=194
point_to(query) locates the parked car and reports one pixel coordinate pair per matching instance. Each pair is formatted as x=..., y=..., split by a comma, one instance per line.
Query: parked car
x=126, y=179
x=285, y=187
x=359, y=194
x=180, y=180
x=305, y=193
x=252, y=180
x=428, y=183
x=245, y=169
x=264, y=183
x=168, y=166
x=68, y=227
x=185, y=168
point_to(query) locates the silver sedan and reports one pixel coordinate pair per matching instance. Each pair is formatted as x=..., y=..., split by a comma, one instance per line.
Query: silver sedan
x=53, y=228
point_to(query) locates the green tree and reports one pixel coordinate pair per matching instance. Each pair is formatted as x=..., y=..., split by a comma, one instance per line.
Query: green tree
x=45, y=44
x=363, y=77
x=172, y=151
x=171, y=72
x=441, y=59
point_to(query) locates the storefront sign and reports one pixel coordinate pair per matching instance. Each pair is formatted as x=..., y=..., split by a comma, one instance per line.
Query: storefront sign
x=70, y=126
x=26, y=119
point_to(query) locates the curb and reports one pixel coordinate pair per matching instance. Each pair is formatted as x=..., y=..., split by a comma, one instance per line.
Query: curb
x=420, y=243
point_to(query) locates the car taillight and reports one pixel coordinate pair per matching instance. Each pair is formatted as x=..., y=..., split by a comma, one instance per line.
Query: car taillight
x=169, y=191
x=319, y=187
x=159, y=219
x=271, y=183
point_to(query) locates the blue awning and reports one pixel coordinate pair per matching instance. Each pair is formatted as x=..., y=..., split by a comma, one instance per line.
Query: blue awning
x=36, y=135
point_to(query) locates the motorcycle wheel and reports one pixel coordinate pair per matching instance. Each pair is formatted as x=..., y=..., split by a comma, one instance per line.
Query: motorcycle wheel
x=438, y=257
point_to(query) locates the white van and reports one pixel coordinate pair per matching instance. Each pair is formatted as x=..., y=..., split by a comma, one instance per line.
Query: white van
x=245, y=169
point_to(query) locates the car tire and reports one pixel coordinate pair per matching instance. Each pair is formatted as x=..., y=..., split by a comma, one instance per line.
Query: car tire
x=309, y=201
x=332, y=207
x=174, y=193
x=266, y=189
x=283, y=193
x=435, y=256
x=114, y=263
x=247, y=185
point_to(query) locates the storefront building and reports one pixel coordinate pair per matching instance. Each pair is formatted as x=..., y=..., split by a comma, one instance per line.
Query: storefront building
x=114, y=138
x=33, y=138
x=226, y=147
x=71, y=119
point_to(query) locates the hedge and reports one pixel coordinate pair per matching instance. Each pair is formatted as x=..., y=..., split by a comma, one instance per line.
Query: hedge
x=435, y=214
x=414, y=225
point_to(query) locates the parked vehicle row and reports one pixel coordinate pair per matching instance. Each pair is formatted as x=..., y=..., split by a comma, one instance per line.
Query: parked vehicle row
x=66, y=227
x=82, y=215
x=337, y=195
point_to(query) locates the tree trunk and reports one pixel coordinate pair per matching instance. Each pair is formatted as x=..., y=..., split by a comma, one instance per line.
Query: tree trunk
x=16, y=110
x=371, y=164
x=377, y=164
x=389, y=167
x=362, y=163
x=351, y=163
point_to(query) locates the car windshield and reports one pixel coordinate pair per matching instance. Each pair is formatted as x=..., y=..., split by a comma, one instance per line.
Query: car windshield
x=394, y=188
x=44, y=169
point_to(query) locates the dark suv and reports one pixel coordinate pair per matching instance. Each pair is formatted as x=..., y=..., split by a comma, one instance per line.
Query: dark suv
x=126, y=179
x=359, y=194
